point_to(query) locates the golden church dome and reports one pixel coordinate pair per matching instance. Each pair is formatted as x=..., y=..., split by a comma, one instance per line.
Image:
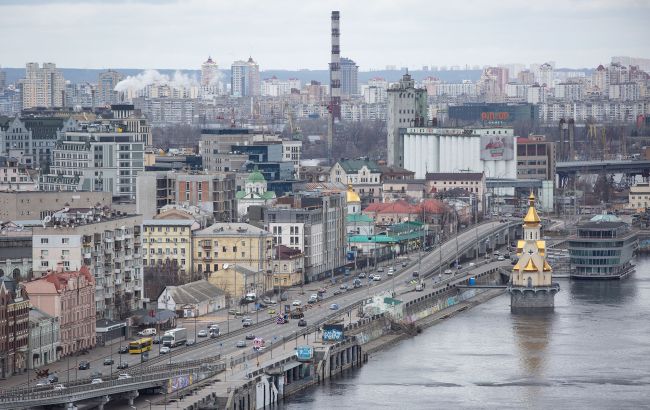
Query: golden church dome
x=352, y=196
x=531, y=216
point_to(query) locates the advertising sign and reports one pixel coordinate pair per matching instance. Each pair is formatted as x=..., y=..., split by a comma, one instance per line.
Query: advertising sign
x=178, y=382
x=332, y=333
x=497, y=148
x=304, y=353
x=350, y=255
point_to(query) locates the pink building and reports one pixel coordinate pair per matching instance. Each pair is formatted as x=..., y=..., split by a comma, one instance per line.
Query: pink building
x=70, y=297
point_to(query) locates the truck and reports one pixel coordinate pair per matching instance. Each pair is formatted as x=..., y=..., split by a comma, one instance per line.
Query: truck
x=175, y=337
x=297, y=313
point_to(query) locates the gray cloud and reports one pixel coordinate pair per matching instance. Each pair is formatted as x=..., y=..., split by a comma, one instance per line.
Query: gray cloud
x=295, y=33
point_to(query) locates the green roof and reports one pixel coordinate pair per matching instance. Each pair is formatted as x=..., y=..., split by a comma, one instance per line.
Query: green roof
x=391, y=301
x=264, y=195
x=256, y=176
x=359, y=218
x=384, y=238
x=354, y=165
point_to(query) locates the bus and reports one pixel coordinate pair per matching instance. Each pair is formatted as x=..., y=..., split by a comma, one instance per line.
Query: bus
x=140, y=345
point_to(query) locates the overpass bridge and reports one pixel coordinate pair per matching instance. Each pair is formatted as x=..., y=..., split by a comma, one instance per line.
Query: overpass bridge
x=629, y=167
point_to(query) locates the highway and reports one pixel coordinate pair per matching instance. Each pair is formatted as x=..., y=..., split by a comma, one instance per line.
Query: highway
x=275, y=333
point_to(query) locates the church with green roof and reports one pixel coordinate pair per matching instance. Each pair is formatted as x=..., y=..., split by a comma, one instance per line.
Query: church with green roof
x=254, y=193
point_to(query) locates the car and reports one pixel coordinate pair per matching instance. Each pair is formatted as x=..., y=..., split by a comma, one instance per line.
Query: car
x=232, y=312
x=448, y=272
x=416, y=274
x=96, y=381
x=508, y=215
x=380, y=269
x=123, y=349
x=334, y=306
x=337, y=292
x=459, y=266
x=284, y=296
x=343, y=286
x=124, y=376
x=43, y=382
x=202, y=333
x=361, y=275
x=59, y=387
x=472, y=264
x=108, y=362
x=302, y=323
x=156, y=340
x=507, y=256
x=271, y=311
x=259, y=349
x=247, y=323
x=250, y=336
x=123, y=365
x=322, y=291
x=296, y=303
x=377, y=278
x=165, y=350
x=487, y=256
x=273, y=302
x=84, y=365
x=497, y=253
x=404, y=264
x=95, y=375
x=391, y=270
x=501, y=258
x=53, y=378
x=266, y=299
x=190, y=342
x=241, y=343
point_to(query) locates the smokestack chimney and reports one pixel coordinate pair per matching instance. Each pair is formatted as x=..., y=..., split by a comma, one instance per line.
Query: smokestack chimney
x=335, y=82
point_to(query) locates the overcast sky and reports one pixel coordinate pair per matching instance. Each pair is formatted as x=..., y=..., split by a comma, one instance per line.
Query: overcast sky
x=292, y=34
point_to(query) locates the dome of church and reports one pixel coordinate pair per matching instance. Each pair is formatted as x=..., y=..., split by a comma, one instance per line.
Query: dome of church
x=256, y=176
x=352, y=196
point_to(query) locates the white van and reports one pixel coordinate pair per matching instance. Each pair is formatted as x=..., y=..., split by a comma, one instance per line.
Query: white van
x=147, y=332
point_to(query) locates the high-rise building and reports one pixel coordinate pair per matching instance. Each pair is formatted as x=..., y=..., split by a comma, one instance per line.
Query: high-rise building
x=245, y=78
x=544, y=75
x=43, y=87
x=106, y=83
x=349, y=74
x=209, y=72
x=526, y=77
x=3, y=80
x=407, y=107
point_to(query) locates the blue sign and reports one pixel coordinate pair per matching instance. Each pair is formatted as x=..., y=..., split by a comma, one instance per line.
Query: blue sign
x=304, y=353
x=332, y=333
x=350, y=256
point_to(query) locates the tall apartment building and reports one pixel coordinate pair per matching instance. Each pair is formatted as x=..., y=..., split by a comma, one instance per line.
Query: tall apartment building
x=314, y=223
x=98, y=157
x=43, y=87
x=209, y=73
x=407, y=107
x=349, y=75
x=69, y=297
x=107, y=242
x=213, y=192
x=14, y=327
x=245, y=78
x=106, y=82
x=544, y=75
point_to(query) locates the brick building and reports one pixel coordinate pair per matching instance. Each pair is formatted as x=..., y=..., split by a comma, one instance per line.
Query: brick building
x=14, y=328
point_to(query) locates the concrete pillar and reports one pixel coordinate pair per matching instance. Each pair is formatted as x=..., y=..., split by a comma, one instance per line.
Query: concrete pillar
x=131, y=396
x=102, y=403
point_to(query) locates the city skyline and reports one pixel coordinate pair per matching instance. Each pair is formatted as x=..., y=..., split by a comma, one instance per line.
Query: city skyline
x=447, y=34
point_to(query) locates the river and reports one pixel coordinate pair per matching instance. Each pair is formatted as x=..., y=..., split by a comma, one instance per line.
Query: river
x=592, y=352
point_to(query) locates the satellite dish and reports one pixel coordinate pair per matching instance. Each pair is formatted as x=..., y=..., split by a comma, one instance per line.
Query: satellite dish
x=225, y=265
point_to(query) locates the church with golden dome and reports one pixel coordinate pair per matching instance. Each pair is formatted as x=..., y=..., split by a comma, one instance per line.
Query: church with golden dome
x=531, y=282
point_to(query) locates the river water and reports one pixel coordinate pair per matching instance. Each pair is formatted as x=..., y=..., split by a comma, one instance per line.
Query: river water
x=592, y=352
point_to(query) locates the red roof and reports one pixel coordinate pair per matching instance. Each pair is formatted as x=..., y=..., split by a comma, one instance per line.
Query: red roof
x=60, y=279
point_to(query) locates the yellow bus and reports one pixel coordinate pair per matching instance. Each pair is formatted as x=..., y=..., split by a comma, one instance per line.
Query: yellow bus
x=140, y=345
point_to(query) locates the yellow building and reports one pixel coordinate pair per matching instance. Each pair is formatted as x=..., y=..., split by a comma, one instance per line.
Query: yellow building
x=238, y=244
x=237, y=281
x=168, y=240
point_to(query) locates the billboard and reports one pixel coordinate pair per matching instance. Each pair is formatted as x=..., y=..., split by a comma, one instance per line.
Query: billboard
x=304, y=353
x=178, y=382
x=497, y=148
x=332, y=333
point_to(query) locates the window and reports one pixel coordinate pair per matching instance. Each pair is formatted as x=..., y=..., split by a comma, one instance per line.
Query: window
x=65, y=240
x=45, y=240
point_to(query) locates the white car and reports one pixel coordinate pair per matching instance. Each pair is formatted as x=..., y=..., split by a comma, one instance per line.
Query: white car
x=501, y=258
x=376, y=278
x=296, y=303
x=165, y=350
x=96, y=381
x=202, y=333
x=124, y=376
x=43, y=382
x=390, y=272
x=59, y=387
x=447, y=271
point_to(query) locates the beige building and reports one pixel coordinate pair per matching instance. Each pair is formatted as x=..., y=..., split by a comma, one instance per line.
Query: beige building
x=639, y=196
x=237, y=281
x=168, y=239
x=287, y=267
x=43, y=87
x=471, y=182
x=238, y=244
x=36, y=205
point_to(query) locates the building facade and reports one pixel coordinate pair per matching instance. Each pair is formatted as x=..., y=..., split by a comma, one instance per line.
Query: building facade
x=43, y=86
x=14, y=327
x=639, y=196
x=363, y=175
x=245, y=78
x=44, y=341
x=69, y=297
x=536, y=158
x=349, y=75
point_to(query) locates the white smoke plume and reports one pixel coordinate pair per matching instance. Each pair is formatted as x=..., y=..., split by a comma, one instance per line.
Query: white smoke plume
x=148, y=77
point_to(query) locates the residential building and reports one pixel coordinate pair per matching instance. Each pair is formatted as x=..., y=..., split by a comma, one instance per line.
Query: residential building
x=254, y=193
x=100, y=157
x=544, y=75
x=213, y=192
x=536, y=158
x=394, y=189
x=349, y=75
x=238, y=280
x=44, y=339
x=108, y=242
x=471, y=182
x=36, y=205
x=245, y=78
x=488, y=150
x=69, y=297
x=15, y=251
x=639, y=196
x=314, y=223
x=407, y=107
x=210, y=77
x=602, y=249
x=292, y=152
x=287, y=267
x=600, y=111
x=363, y=175
x=162, y=111
x=192, y=299
x=17, y=177
x=43, y=87
x=429, y=211
x=14, y=328
x=232, y=244
x=221, y=141
x=106, y=82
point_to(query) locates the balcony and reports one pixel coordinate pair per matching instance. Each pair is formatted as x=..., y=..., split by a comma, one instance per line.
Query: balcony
x=108, y=240
x=137, y=255
x=127, y=279
x=118, y=282
x=206, y=244
x=128, y=256
x=117, y=270
x=87, y=255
